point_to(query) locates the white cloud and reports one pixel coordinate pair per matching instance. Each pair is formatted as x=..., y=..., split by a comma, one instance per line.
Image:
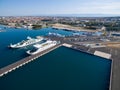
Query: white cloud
x=90, y=7
x=100, y=7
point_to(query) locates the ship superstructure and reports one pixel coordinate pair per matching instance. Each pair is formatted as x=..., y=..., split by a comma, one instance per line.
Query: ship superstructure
x=27, y=42
x=41, y=47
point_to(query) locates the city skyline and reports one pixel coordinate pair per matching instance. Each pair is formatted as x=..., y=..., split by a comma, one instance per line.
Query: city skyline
x=58, y=7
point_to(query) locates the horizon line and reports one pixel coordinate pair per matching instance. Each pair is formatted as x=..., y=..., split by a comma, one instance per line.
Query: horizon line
x=69, y=15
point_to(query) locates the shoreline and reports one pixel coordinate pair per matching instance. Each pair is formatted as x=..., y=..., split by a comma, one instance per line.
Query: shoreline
x=71, y=28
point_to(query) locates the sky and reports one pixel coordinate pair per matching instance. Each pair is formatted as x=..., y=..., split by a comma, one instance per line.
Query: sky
x=54, y=7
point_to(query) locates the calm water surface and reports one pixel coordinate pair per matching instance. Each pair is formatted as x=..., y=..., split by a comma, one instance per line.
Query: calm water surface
x=8, y=56
x=61, y=69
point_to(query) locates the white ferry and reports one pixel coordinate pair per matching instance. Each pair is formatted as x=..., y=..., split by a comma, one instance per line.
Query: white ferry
x=56, y=34
x=27, y=42
x=41, y=47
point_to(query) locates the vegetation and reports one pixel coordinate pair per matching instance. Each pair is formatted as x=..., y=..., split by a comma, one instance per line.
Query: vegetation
x=90, y=27
x=36, y=26
x=112, y=26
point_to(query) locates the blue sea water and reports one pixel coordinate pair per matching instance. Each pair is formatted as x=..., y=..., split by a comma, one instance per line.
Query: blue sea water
x=12, y=35
x=61, y=69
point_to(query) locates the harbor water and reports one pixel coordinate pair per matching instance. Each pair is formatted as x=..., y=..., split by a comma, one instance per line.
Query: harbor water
x=12, y=35
x=61, y=69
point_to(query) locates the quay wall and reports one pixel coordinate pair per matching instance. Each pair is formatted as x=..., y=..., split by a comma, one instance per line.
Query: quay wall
x=102, y=54
x=111, y=75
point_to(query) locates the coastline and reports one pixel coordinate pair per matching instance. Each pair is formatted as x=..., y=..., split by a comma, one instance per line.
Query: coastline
x=71, y=28
x=111, y=68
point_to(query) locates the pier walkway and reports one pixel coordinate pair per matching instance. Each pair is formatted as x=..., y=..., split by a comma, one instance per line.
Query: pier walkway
x=24, y=61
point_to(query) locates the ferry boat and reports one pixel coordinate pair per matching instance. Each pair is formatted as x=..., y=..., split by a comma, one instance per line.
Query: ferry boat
x=27, y=42
x=1, y=30
x=41, y=47
x=55, y=34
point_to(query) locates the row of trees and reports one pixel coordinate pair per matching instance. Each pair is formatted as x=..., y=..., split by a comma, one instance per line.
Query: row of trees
x=110, y=26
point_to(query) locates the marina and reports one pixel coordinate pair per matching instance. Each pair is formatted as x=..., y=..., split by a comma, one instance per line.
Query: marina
x=59, y=45
x=28, y=59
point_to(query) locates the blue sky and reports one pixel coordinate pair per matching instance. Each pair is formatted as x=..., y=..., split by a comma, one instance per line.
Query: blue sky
x=52, y=7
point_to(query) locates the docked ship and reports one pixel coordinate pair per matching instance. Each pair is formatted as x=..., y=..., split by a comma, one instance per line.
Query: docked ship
x=27, y=42
x=2, y=30
x=56, y=34
x=41, y=47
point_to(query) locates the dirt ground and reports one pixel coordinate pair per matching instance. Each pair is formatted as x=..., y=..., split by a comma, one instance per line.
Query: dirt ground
x=113, y=44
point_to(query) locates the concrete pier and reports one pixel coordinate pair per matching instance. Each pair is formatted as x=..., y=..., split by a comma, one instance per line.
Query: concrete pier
x=20, y=63
x=102, y=54
x=67, y=45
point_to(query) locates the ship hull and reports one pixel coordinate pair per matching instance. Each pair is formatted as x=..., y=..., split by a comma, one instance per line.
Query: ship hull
x=25, y=44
